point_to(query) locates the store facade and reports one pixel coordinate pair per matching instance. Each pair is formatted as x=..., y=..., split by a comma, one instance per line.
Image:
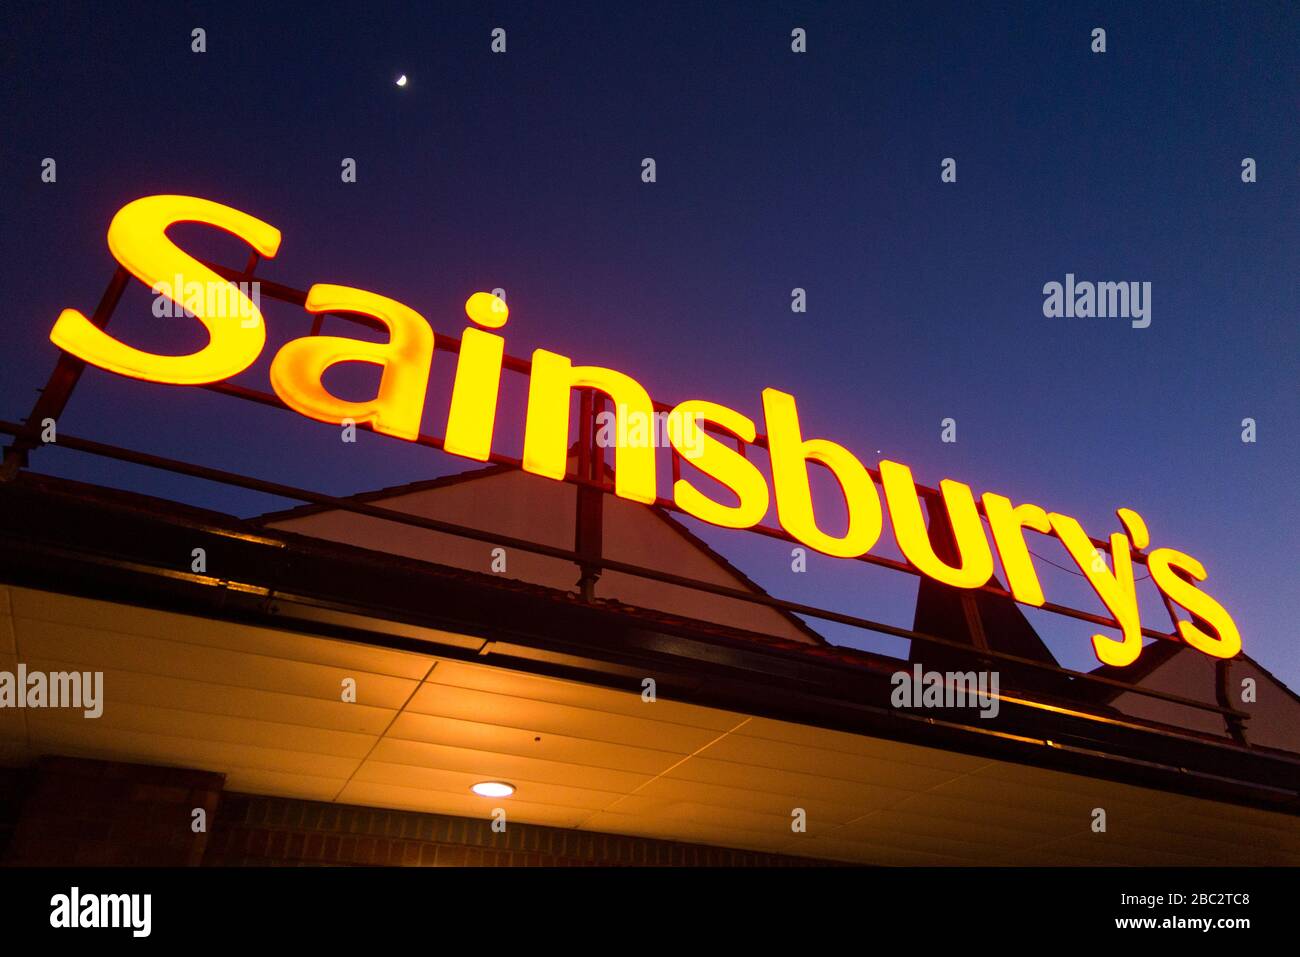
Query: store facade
x=332, y=683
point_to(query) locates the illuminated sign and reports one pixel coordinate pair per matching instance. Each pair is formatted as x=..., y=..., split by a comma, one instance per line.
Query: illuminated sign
x=137, y=237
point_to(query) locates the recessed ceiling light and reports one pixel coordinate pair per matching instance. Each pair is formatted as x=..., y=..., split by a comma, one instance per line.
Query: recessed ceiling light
x=493, y=789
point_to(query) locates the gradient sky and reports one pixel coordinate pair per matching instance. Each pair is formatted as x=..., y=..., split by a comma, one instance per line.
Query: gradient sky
x=775, y=170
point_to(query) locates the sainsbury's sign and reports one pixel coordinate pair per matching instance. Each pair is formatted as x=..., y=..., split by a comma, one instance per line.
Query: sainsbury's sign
x=137, y=238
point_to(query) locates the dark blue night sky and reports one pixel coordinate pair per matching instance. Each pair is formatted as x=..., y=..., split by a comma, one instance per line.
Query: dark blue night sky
x=775, y=171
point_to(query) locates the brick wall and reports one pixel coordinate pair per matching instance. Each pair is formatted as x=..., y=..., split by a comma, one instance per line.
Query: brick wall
x=14, y=785
x=101, y=813
x=69, y=811
x=268, y=830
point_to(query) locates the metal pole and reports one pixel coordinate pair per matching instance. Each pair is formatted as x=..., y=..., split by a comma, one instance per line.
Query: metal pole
x=588, y=530
x=58, y=389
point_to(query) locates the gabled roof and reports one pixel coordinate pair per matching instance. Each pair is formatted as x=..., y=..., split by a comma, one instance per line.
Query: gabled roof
x=65, y=538
x=1153, y=656
x=1159, y=653
x=423, y=485
x=478, y=474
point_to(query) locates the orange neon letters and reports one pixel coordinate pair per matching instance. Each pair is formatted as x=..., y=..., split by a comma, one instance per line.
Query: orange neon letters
x=976, y=566
x=546, y=434
x=473, y=412
x=396, y=409
x=1007, y=525
x=791, y=453
x=1116, y=588
x=722, y=463
x=1165, y=565
x=137, y=237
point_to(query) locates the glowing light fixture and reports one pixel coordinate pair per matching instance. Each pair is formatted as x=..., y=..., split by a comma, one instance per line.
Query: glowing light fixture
x=493, y=789
x=137, y=238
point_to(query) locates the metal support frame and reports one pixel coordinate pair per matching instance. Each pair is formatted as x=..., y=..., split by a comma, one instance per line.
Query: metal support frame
x=207, y=473
x=588, y=531
x=944, y=541
x=591, y=487
x=58, y=390
x=51, y=538
x=1232, y=718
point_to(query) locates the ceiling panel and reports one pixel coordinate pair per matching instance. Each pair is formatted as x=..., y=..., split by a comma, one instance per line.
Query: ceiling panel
x=525, y=742
x=508, y=767
x=536, y=688
x=793, y=784
x=90, y=739
x=308, y=787
x=95, y=649
x=93, y=615
x=881, y=748
x=806, y=758
x=264, y=708
x=1041, y=821
x=905, y=828
x=457, y=782
x=543, y=716
x=209, y=697
x=458, y=801
x=670, y=789
x=215, y=728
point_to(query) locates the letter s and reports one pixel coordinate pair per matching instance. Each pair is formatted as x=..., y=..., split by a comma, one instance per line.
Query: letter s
x=721, y=463
x=137, y=238
x=1165, y=565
